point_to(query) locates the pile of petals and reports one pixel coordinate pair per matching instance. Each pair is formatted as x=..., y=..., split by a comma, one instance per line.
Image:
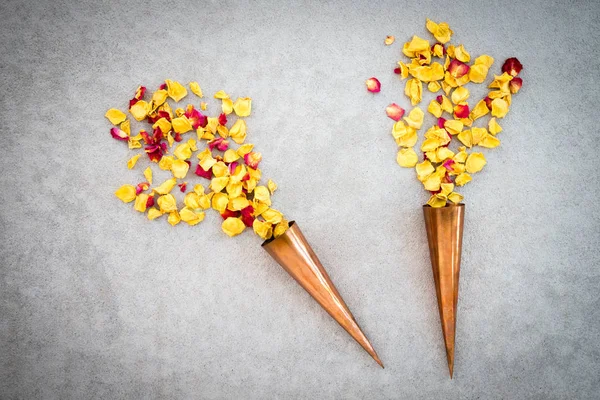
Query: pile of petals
x=172, y=137
x=446, y=70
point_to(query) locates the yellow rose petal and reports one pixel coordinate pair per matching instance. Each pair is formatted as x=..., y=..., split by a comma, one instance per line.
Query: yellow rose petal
x=489, y=141
x=167, y=203
x=195, y=88
x=407, y=158
x=132, y=161
x=181, y=124
x=166, y=186
x=163, y=124
x=499, y=108
x=415, y=118
x=437, y=201
x=218, y=184
x=493, y=127
x=272, y=216
x=462, y=179
x=154, y=213
x=262, y=229
x=475, y=162
x=180, y=169
x=159, y=97
x=126, y=193
x=242, y=106
x=165, y=163
x=175, y=90
x=221, y=95
x=115, y=116
x=140, y=110
x=272, y=186
x=227, y=106
x=148, y=175
x=460, y=95
x=183, y=151
x=424, y=169
x=230, y=156
x=191, y=217
x=454, y=197
x=140, y=202
x=262, y=194
x=174, y=218
x=233, y=226
x=281, y=228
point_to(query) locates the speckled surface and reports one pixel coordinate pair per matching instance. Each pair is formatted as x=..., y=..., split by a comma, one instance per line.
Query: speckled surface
x=98, y=302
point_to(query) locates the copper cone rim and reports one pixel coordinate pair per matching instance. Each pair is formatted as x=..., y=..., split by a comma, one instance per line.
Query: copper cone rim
x=294, y=254
x=444, y=227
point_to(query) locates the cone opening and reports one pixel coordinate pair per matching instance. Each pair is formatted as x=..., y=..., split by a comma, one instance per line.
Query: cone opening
x=446, y=206
x=266, y=242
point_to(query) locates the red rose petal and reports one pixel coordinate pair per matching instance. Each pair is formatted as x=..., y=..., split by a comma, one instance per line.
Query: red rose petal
x=515, y=85
x=394, y=111
x=118, y=134
x=512, y=66
x=461, y=111
x=223, y=119
x=252, y=159
x=373, y=85
x=203, y=173
x=458, y=69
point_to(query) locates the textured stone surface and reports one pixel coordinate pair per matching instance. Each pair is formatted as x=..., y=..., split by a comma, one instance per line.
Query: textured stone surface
x=98, y=302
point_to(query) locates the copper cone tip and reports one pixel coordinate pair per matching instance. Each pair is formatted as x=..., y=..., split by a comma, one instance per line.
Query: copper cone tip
x=444, y=235
x=293, y=252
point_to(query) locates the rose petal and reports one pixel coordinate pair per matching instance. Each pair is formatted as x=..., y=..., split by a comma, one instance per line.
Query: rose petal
x=394, y=111
x=373, y=85
x=512, y=66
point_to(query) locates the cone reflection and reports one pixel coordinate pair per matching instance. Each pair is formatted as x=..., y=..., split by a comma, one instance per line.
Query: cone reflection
x=444, y=234
x=294, y=254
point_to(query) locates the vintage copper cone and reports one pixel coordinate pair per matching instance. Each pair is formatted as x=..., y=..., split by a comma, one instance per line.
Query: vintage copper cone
x=294, y=254
x=444, y=233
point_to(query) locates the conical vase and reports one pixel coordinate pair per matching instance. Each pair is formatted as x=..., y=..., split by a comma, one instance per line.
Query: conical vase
x=293, y=252
x=444, y=234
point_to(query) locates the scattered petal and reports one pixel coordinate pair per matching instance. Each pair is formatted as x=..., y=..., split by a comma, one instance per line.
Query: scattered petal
x=126, y=193
x=389, y=40
x=115, y=116
x=373, y=85
x=394, y=111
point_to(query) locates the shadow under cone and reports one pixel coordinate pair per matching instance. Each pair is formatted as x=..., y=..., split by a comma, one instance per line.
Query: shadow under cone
x=294, y=254
x=444, y=234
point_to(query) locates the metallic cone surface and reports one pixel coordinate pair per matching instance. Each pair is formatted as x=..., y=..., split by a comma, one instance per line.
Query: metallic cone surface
x=444, y=234
x=294, y=254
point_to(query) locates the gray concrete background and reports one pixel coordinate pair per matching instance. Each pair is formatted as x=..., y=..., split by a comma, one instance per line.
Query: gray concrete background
x=98, y=302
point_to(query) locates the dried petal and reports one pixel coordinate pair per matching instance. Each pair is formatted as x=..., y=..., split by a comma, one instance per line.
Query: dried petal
x=233, y=226
x=407, y=158
x=414, y=90
x=154, y=213
x=181, y=124
x=195, y=88
x=132, y=161
x=493, y=127
x=460, y=95
x=389, y=40
x=458, y=69
x=515, y=85
x=394, y=111
x=462, y=179
x=166, y=186
x=115, y=116
x=175, y=90
x=512, y=66
x=167, y=203
x=262, y=229
x=461, y=54
x=221, y=95
x=461, y=110
x=180, y=169
x=242, y=106
x=174, y=218
x=126, y=193
x=272, y=186
x=373, y=85
x=499, y=108
x=415, y=118
x=475, y=162
x=118, y=134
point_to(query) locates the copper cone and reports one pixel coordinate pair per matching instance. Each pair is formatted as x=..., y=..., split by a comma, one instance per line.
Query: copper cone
x=294, y=254
x=444, y=233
